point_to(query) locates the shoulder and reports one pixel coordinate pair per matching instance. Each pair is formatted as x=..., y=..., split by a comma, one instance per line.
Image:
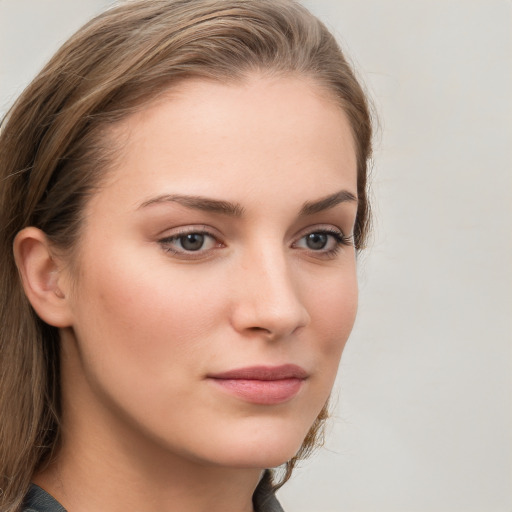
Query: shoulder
x=38, y=500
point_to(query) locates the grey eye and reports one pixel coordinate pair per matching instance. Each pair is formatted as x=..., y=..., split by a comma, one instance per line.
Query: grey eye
x=317, y=241
x=192, y=241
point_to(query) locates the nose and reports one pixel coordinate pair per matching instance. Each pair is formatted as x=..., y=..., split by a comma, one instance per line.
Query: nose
x=267, y=299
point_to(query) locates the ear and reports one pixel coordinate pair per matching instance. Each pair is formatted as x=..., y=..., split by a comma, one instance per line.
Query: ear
x=42, y=276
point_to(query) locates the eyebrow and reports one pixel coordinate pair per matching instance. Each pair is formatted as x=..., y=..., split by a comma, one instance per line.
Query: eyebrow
x=198, y=203
x=327, y=202
x=236, y=210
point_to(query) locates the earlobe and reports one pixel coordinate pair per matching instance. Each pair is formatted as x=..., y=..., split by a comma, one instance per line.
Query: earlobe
x=42, y=277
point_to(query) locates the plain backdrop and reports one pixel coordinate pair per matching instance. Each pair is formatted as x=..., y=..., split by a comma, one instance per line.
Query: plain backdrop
x=422, y=412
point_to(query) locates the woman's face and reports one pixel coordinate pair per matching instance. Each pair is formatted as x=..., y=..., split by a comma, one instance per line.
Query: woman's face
x=216, y=280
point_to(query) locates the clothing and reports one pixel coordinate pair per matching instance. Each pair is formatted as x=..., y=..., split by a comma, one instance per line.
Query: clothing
x=38, y=500
x=264, y=499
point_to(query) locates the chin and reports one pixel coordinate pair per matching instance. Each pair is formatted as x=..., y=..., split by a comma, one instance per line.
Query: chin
x=266, y=448
x=257, y=459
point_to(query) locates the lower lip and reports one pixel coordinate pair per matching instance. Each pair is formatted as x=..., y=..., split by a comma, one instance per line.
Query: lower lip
x=263, y=392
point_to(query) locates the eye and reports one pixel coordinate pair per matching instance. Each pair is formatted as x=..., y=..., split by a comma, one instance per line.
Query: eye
x=191, y=243
x=325, y=242
x=317, y=241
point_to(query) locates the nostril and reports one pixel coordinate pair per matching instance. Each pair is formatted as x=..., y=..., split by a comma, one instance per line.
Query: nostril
x=262, y=330
x=274, y=333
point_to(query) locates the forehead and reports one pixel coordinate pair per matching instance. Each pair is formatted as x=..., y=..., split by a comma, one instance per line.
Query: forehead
x=265, y=133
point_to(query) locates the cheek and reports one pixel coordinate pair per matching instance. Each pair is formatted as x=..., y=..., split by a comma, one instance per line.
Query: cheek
x=334, y=308
x=142, y=334
x=333, y=313
x=142, y=317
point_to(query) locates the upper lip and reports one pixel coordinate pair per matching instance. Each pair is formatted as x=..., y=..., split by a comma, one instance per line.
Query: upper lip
x=285, y=371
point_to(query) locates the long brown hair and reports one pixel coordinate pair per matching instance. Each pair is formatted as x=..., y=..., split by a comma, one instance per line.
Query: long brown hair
x=53, y=153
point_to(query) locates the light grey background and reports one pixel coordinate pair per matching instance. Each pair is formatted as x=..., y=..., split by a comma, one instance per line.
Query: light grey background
x=423, y=409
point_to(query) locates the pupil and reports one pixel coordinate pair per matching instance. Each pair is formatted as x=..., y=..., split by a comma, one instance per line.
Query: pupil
x=316, y=241
x=192, y=242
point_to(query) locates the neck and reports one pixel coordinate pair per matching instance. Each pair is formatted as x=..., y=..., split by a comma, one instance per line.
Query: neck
x=112, y=478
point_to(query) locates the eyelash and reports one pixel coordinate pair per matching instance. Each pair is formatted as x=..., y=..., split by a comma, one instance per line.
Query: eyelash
x=339, y=238
x=184, y=253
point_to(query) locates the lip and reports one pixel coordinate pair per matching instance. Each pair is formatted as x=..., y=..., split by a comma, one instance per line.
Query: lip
x=264, y=385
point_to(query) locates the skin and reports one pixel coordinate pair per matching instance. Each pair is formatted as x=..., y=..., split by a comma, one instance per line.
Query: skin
x=145, y=323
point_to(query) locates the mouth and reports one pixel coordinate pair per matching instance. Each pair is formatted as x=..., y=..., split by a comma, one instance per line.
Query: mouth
x=263, y=385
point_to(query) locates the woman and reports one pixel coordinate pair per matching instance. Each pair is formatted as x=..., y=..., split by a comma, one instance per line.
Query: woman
x=183, y=196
